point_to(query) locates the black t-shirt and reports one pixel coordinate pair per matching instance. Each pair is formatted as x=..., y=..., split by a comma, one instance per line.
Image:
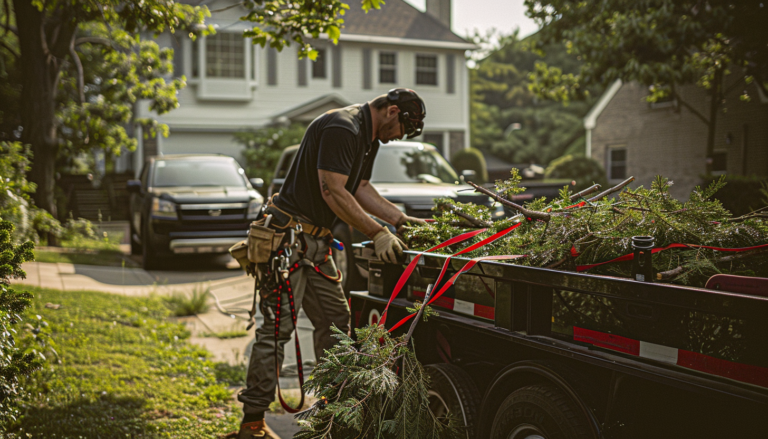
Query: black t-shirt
x=338, y=141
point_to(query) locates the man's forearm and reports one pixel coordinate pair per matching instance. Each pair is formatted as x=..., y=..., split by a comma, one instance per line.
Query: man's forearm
x=370, y=200
x=344, y=205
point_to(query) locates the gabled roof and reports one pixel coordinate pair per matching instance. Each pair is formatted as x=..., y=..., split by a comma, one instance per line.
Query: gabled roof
x=397, y=19
x=590, y=120
x=308, y=111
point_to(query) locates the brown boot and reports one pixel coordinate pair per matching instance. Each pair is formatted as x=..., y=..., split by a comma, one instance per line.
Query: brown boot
x=253, y=430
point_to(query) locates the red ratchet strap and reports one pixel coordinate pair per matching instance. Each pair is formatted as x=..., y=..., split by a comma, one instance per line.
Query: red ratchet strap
x=445, y=287
x=631, y=256
x=409, y=269
x=279, y=291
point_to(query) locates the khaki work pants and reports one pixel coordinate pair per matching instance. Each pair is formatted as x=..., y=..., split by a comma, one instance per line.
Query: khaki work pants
x=324, y=304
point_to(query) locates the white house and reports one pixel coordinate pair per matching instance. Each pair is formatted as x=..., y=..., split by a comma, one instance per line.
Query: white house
x=234, y=85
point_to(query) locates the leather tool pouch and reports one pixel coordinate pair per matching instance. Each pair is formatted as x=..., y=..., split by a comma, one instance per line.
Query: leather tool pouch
x=239, y=251
x=262, y=241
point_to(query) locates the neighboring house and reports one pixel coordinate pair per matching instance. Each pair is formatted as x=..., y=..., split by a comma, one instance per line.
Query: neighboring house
x=233, y=85
x=631, y=137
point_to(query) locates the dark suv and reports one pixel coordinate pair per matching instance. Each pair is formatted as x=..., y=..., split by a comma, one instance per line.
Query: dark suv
x=410, y=175
x=190, y=204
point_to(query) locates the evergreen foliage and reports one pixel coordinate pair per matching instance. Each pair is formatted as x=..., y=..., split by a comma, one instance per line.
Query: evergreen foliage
x=585, y=171
x=471, y=158
x=362, y=395
x=18, y=358
x=603, y=228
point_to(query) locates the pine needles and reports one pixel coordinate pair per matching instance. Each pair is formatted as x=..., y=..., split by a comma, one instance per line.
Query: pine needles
x=601, y=229
x=361, y=395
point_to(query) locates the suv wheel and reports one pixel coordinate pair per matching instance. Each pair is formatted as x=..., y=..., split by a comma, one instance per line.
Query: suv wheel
x=149, y=259
x=135, y=241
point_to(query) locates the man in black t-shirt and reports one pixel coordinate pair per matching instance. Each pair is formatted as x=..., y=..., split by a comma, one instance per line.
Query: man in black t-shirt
x=328, y=180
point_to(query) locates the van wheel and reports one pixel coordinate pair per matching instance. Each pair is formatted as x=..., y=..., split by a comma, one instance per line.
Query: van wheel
x=539, y=412
x=452, y=391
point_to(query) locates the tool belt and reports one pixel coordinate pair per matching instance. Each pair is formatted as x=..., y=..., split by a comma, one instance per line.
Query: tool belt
x=283, y=220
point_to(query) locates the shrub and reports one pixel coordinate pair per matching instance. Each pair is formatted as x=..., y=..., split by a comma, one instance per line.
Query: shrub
x=471, y=158
x=18, y=358
x=264, y=146
x=741, y=194
x=585, y=171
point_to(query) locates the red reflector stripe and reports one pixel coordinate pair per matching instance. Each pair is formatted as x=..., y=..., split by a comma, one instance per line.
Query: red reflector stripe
x=745, y=373
x=486, y=312
x=724, y=368
x=608, y=341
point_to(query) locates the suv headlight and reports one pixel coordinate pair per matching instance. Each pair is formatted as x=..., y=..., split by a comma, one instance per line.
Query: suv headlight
x=163, y=209
x=254, y=209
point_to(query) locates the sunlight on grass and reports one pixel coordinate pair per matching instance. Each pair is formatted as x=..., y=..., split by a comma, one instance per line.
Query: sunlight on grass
x=182, y=304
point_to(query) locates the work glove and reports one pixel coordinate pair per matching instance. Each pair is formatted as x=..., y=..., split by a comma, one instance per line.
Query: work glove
x=388, y=246
x=406, y=221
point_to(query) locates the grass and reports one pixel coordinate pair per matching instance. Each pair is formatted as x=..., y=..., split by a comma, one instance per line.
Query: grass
x=182, y=305
x=122, y=370
x=105, y=258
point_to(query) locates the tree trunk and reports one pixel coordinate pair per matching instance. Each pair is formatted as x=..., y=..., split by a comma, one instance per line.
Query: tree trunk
x=714, y=106
x=41, y=61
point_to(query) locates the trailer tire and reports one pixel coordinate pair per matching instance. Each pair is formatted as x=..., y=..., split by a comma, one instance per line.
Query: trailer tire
x=539, y=411
x=452, y=390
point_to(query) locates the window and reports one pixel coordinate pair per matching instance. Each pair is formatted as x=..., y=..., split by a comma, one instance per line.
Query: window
x=617, y=163
x=318, y=67
x=225, y=56
x=719, y=162
x=387, y=68
x=426, y=69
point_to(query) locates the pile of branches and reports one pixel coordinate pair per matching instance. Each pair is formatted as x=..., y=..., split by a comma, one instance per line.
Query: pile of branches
x=592, y=227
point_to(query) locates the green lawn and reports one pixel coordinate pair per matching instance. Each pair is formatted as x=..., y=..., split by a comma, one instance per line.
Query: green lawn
x=105, y=257
x=123, y=371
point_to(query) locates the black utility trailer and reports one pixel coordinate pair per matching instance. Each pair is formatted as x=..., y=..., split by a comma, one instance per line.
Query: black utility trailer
x=522, y=352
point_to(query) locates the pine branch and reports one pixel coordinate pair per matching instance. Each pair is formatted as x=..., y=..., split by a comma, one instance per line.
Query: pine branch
x=474, y=222
x=616, y=188
x=585, y=192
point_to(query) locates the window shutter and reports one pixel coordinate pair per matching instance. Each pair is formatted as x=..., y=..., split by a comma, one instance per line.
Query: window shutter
x=336, y=67
x=271, y=66
x=367, y=82
x=178, y=55
x=303, y=72
x=450, y=73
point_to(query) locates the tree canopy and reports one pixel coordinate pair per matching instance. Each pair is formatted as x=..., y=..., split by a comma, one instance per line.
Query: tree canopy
x=659, y=43
x=501, y=98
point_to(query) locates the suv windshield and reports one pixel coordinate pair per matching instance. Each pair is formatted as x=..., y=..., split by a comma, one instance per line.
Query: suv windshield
x=406, y=165
x=169, y=173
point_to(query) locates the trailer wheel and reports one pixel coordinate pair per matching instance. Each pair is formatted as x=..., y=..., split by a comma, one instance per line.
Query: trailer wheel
x=453, y=391
x=539, y=412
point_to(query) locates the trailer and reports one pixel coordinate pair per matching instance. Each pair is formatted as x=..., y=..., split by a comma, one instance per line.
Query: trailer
x=523, y=352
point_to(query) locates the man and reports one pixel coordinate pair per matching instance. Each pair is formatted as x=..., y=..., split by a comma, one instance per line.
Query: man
x=327, y=181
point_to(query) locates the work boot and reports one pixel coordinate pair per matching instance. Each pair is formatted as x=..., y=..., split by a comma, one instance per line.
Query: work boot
x=253, y=430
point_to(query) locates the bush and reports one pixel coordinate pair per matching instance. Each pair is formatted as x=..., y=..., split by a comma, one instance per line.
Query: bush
x=264, y=146
x=585, y=171
x=741, y=194
x=471, y=158
x=18, y=358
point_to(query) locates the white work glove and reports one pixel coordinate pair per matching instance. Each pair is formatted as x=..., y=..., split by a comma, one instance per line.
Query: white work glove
x=388, y=246
x=406, y=221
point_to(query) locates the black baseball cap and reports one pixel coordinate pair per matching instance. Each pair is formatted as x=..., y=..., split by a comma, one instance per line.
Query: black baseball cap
x=412, y=110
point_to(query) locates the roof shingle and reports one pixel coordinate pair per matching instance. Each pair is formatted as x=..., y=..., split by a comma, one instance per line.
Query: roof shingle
x=397, y=19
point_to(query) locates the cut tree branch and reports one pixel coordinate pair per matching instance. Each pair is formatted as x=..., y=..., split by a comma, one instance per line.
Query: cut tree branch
x=616, y=188
x=472, y=220
x=585, y=192
x=532, y=214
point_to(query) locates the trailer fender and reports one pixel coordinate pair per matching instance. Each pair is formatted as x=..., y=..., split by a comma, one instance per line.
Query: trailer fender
x=525, y=373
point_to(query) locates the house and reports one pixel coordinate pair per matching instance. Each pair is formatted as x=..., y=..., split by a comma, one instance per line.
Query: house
x=233, y=85
x=632, y=137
